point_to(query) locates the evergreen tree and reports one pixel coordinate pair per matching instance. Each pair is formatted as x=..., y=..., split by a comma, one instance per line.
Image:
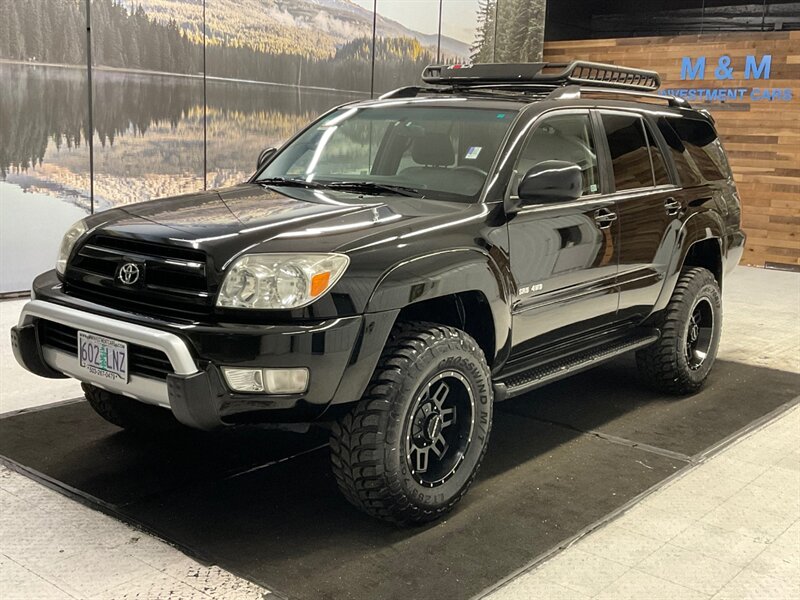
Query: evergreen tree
x=48, y=29
x=534, y=48
x=72, y=32
x=520, y=30
x=32, y=24
x=484, y=47
x=132, y=53
x=507, y=29
x=16, y=41
x=5, y=34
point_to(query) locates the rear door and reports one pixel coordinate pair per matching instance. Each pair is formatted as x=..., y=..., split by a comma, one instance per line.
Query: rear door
x=563, y=254
x=649, y=206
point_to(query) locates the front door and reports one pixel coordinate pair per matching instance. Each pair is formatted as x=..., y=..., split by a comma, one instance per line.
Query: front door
x=563, y=254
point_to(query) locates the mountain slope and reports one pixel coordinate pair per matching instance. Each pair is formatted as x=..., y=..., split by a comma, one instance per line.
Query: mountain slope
x=307, y=27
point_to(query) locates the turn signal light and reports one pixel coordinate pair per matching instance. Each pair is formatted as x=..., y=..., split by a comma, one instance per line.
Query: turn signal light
x=319, y=283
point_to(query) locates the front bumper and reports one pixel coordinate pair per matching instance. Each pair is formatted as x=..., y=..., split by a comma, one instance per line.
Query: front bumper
x=339, y=353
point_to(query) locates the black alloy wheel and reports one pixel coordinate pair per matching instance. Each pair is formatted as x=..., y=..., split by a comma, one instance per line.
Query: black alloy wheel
x=411, y=447
x=691, y=326
x=699, y=334
x=440, y=428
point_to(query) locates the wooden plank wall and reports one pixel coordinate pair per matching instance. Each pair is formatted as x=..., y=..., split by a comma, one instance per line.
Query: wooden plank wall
x=762, y=138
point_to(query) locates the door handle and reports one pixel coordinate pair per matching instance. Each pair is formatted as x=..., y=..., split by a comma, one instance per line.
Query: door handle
x=604, y=218
x=672, y=206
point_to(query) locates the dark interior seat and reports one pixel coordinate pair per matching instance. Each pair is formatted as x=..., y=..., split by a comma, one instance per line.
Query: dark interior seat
x=435, y=151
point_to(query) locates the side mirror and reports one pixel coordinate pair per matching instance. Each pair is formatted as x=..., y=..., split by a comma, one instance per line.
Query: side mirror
x=264, y=157
x=551, y=181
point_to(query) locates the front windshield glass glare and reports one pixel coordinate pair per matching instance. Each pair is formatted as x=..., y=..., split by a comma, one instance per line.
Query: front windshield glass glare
x=441, y=152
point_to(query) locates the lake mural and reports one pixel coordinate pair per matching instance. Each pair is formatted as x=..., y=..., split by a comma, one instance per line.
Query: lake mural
x=180, y=102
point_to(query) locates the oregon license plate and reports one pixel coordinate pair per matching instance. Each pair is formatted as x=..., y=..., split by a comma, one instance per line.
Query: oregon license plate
x=102, y=356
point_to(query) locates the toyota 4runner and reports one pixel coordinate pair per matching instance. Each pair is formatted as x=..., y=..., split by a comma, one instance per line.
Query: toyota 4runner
x=402, y=264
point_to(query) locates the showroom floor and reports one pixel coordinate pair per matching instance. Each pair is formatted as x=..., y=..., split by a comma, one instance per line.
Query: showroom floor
x=726, y=527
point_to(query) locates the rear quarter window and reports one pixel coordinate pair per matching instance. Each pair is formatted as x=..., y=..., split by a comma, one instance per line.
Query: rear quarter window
x=702, y=146
x=688, y=173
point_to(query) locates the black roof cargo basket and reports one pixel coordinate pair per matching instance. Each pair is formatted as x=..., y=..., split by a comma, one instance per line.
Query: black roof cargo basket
x=519, y=75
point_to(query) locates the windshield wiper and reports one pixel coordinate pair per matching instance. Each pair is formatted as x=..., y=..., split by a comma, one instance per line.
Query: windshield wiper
x=373, y=187
x=289, y=182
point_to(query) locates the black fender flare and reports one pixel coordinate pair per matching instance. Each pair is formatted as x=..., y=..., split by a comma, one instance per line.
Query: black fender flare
x=444, y=273
x=698, y=227
x=417, y=279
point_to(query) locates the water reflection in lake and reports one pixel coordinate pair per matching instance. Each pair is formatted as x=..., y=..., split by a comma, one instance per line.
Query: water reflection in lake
x=148, y=136
x=32, y=225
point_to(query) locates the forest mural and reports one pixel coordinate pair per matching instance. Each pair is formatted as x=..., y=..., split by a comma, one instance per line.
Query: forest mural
x=242, y=75
x=509, y=31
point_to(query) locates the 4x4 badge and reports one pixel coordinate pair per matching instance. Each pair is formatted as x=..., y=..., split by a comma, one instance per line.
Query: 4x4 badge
x=129, y=273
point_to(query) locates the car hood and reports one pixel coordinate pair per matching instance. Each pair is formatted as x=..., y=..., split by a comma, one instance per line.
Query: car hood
x=252, y=217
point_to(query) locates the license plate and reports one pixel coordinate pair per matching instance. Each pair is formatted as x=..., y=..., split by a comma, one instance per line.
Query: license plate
x=103, y=357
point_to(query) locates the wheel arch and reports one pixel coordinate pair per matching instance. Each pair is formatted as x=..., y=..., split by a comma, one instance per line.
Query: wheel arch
x=700, y=243
x=462, y=288
x=440, y=287
x=468, y=311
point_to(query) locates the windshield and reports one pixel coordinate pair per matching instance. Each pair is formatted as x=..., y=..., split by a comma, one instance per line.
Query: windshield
x=441, y=152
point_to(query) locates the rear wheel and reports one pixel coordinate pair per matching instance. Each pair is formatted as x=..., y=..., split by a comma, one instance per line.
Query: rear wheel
x=128, y=413
x=410, y=449
x=681, y=360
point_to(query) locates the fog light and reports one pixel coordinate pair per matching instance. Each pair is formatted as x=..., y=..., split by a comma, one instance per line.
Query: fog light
x=271, y=381
x=244, y=380
x=286, y=381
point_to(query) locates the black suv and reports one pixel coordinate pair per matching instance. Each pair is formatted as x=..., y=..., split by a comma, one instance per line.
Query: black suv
x=401, y=265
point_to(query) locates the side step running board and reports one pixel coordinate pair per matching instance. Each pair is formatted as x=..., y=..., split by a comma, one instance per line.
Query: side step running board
x=540, y=375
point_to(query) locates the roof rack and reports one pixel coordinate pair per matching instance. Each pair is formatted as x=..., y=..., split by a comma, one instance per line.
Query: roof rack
x=533, y=93
x=574, y=92
x=540, y=81
x=558, y=74
x=528, y=93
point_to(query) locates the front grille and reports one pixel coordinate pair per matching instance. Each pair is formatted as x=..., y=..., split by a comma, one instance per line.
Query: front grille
x=143, y=361
x=173, y=279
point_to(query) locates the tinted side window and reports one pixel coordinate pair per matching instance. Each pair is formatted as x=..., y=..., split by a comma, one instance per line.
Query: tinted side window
x=659, y=166
x=684, y=165
x=564, y=137
x=630, y=158
x=703, y=146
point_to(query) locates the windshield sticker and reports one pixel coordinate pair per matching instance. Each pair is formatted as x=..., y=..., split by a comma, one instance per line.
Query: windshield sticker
x=473, y=152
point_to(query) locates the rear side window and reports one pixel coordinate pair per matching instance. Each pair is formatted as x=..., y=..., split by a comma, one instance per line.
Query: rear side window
x=630, y=158
x=703, y=145
x=684, y=164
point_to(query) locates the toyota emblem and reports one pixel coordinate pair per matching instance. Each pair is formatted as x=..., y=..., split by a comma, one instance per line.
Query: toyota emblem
x=129, y=273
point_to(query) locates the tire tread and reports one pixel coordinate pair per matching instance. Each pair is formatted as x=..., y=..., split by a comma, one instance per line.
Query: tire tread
x=357, y=439
x=658, y=364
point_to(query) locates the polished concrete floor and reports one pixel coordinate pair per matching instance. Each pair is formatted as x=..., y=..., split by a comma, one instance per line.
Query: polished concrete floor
x=726, y=529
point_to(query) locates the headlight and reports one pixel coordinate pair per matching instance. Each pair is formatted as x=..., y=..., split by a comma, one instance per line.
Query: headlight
x=68, y=243
x=280, y=281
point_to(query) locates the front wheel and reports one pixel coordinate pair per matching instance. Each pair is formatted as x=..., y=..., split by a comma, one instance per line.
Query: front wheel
x=410, y=449
x=681, y=360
